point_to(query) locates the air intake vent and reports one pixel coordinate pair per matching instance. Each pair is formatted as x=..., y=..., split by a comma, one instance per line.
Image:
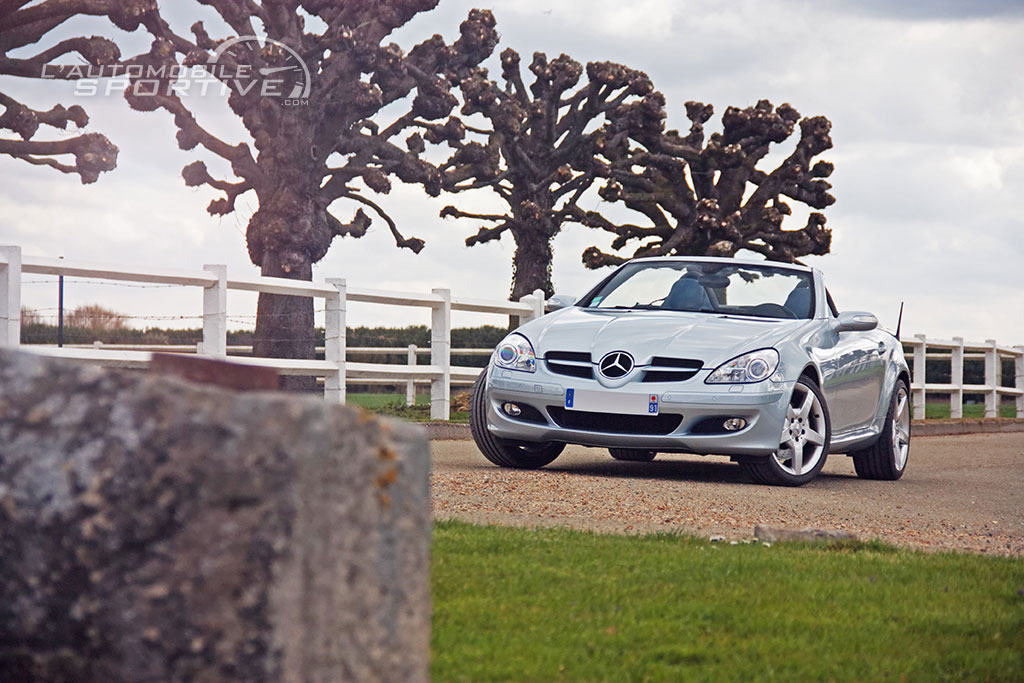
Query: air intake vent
x=685, y=363
x=574, y=356
x=613, y=423
x=672, y=369
x=570, y=363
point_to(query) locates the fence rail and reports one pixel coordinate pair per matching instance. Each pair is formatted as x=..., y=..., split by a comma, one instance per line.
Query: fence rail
x=336, y=369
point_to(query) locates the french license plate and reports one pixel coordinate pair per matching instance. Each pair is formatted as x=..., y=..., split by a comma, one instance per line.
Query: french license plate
x=612, y=402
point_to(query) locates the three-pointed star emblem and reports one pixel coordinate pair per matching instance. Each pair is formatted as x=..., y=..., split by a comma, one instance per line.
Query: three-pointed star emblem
x=616, y=364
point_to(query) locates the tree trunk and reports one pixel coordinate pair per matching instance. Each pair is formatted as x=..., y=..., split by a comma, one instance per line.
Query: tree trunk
x=284, y=324
x=531, y=264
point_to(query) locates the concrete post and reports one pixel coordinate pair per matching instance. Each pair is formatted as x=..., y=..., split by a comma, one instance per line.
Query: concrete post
x=10, y=296
x=205, y=534
x=956, y=378
x=410, y=385
x=335, y=340
x=215, y=313
x=991, y=379
x=441, y=355
x=920, y=394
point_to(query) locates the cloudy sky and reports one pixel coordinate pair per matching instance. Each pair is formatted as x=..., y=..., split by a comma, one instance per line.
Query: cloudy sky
x=926, y=101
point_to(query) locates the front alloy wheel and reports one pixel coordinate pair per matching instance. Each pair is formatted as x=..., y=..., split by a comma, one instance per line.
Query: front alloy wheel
x=504, y=452
x=803, y=444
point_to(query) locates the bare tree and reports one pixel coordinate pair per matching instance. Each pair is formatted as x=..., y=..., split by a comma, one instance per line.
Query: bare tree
x=95, y=317
x=713, y=199
x=307, y=100
x=23, y=24
x=538, y=151
x=30, y=316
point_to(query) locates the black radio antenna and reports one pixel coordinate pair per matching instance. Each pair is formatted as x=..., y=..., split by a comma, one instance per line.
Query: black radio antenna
x=899, y=323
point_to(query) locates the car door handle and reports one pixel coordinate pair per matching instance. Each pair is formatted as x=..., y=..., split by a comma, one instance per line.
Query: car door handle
x=881, y=348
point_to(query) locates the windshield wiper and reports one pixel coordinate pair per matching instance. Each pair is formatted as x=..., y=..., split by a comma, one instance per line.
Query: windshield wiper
x=650, y=307
x=640, y=307
x=751, y=315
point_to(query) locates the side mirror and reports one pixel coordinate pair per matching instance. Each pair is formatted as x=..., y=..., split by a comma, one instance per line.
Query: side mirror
x=855, y=321
x=559, y=301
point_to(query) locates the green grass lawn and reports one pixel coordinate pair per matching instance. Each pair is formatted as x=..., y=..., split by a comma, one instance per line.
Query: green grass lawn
x=940, y=410
x=549, y=605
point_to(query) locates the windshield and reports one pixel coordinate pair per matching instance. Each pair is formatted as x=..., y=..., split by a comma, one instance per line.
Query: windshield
x=723, y=288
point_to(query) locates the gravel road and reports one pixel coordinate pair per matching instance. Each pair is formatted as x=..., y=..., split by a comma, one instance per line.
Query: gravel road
x=959, y=493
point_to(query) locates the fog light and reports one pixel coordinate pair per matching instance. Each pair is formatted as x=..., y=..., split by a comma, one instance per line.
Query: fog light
x=512, y=410
x=734, y=424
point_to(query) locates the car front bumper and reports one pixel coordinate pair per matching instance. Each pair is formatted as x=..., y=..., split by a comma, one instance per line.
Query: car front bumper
x=697, y=405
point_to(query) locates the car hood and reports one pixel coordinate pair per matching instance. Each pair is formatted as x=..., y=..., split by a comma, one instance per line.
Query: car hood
x=708, y=337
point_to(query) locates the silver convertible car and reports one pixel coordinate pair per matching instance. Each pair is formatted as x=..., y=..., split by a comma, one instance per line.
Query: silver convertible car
x=710, y=356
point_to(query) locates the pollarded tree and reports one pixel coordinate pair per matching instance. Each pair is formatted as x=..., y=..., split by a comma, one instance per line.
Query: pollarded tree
x=713, y=199
x=23, y=24
x=538, y=151
x=307, y=97
x=308, y=100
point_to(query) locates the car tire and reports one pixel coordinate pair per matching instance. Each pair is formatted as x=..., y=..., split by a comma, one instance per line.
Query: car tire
x=800, y=456
x=505, y=452
x=886, y=459
x=632, y=454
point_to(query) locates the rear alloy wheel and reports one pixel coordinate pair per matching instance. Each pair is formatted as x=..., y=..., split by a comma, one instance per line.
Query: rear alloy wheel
x=803, y=447
x=887, y=458
x=505, y=452
x=632, y=454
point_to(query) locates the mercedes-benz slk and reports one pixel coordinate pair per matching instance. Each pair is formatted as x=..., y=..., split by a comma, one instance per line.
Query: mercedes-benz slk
x=710, y=356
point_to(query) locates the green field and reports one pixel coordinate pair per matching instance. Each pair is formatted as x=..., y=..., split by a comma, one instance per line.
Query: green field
x=393, y=405
x=550, y=605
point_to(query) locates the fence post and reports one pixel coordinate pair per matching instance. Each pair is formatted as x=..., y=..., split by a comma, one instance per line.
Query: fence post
x=441, y=355
x=956, y=378
x=335, y=341
x=215, y=313
x=536, y=303
x=1018, y=384
x=920, y=394
x=10, y=296
x=410, y=384
x=991, y=379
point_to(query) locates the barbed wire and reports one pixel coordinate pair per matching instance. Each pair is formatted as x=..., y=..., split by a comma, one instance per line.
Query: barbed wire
x=89, y=281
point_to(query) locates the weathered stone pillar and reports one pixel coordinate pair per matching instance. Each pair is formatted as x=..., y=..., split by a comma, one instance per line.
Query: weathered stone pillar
x=155, y=530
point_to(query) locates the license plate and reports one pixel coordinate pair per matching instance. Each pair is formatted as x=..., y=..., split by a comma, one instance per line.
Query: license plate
x=611, y=402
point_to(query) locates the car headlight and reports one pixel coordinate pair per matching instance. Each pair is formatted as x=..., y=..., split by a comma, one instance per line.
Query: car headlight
x=749, y=368
x=516, y=353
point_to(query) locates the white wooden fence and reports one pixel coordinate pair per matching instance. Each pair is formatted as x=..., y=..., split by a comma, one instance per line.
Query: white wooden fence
x=440, y=373
x=215, y=283
x=956, y=352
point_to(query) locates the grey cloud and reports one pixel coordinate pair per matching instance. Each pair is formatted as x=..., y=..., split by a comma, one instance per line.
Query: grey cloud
x=913, y=10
